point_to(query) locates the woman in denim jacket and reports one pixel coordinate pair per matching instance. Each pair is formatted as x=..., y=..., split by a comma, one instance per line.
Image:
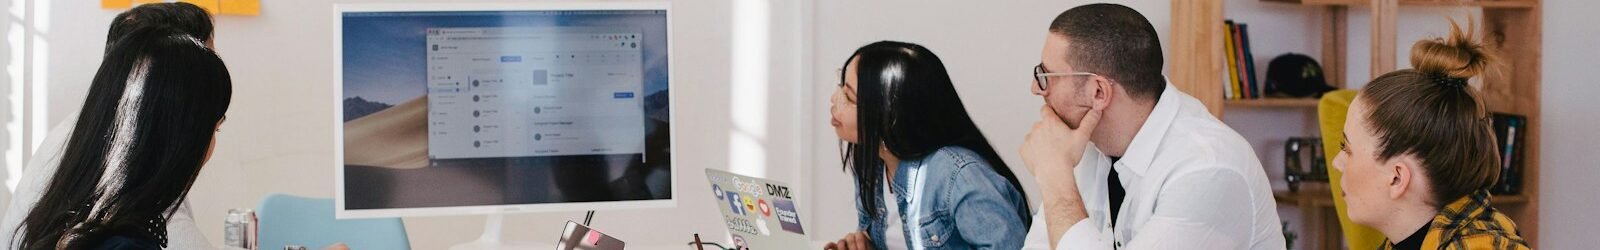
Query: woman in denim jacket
x=904, y=125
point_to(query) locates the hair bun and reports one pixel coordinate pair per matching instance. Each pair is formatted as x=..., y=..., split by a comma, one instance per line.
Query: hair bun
x=1455, y=56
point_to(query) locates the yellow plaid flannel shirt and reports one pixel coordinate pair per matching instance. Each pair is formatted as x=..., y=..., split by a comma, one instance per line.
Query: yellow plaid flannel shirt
x=1470, y=223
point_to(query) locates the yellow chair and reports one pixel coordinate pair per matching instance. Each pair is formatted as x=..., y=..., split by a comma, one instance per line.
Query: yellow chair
x=1331, y=114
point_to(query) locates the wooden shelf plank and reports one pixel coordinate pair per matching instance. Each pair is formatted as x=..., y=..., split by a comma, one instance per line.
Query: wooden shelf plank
x=1517, y=4
x=1196, y=43
x=1273, y=103
x=1385, y=16
x=1515, y=35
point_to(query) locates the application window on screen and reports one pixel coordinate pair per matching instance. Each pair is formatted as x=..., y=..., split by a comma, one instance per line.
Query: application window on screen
x=534, y=91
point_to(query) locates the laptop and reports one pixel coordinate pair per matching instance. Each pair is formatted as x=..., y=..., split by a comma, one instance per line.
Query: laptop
x=761, y=214
x=580, y=237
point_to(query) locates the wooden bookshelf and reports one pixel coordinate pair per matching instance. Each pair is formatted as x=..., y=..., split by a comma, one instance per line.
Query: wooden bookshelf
x=1511, y=28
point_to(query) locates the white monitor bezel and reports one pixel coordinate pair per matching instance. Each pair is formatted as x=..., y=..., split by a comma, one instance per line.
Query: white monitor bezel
x=338, y=121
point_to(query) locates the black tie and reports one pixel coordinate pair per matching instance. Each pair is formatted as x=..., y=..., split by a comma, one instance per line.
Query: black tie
x=1116, y=191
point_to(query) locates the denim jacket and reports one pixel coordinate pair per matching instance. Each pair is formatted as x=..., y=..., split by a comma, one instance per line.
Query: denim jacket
x=951, y=199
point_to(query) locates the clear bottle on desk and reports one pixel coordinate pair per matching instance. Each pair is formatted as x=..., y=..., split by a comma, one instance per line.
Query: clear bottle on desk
x=239, y=229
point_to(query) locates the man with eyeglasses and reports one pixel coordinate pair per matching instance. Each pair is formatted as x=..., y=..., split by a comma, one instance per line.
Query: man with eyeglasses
x=1125, y=160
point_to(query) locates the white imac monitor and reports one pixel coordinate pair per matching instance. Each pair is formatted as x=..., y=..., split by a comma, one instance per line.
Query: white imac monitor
x=460, y=109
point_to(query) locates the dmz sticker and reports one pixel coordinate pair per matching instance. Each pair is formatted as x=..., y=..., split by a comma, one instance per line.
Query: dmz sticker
x=788, y=217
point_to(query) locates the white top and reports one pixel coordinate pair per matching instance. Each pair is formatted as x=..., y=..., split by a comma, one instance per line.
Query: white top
x=894, y=233
x=181, y=230
x=1191, y=181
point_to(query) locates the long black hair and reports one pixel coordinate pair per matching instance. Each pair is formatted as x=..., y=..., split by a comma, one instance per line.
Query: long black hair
x=907, y=104
x=185, y=17
x=138, y=145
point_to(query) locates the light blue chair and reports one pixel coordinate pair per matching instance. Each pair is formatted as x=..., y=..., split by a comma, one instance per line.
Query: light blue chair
x=292, y=220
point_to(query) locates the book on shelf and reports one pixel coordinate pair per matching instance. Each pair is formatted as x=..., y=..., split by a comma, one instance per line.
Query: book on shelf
x=1238, y=57
x=1230, y=87
x=1510, y=132
x=1241, y=82
x=1249, y=61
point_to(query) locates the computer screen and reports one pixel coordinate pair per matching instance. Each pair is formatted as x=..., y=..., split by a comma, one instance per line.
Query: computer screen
x=461, y=109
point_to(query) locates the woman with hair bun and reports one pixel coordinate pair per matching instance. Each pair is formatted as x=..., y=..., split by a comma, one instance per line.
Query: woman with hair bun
x=1419, y=153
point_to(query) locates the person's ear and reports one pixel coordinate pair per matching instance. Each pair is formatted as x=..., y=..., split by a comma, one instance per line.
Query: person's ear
x=1103, y=93
x=1402, y=170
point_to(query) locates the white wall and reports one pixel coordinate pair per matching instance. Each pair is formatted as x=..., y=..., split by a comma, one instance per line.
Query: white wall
x=277, y=134
x=1569, y=162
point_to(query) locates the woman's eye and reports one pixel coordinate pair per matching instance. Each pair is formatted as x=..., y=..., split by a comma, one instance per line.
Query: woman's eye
x=1343, y=148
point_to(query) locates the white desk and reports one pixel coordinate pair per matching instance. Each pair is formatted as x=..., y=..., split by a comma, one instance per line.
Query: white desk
x=814, y=245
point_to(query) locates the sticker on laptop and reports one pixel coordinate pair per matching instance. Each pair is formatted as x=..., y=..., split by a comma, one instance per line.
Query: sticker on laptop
x=788, y=217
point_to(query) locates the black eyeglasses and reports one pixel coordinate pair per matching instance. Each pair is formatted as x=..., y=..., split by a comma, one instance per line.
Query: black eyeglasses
x=1042, y=78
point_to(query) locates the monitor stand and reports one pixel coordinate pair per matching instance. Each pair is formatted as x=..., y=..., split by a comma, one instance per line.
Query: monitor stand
x=491, y=238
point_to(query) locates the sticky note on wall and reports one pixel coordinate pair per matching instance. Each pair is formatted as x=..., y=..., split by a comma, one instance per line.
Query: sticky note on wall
x=240, y=7
x=116, y=4
x=209, y=5
x=138, y=2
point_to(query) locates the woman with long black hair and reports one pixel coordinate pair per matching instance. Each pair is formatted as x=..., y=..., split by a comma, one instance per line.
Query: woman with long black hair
x=190, y=19
x=146, y=128
x=904, y=125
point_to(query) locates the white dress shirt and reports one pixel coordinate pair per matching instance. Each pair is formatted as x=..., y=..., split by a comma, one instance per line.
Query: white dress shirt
x=181, y=230
x=1192, y=183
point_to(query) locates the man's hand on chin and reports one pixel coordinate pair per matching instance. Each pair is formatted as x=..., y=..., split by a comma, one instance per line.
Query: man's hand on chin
x=1051, y=151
